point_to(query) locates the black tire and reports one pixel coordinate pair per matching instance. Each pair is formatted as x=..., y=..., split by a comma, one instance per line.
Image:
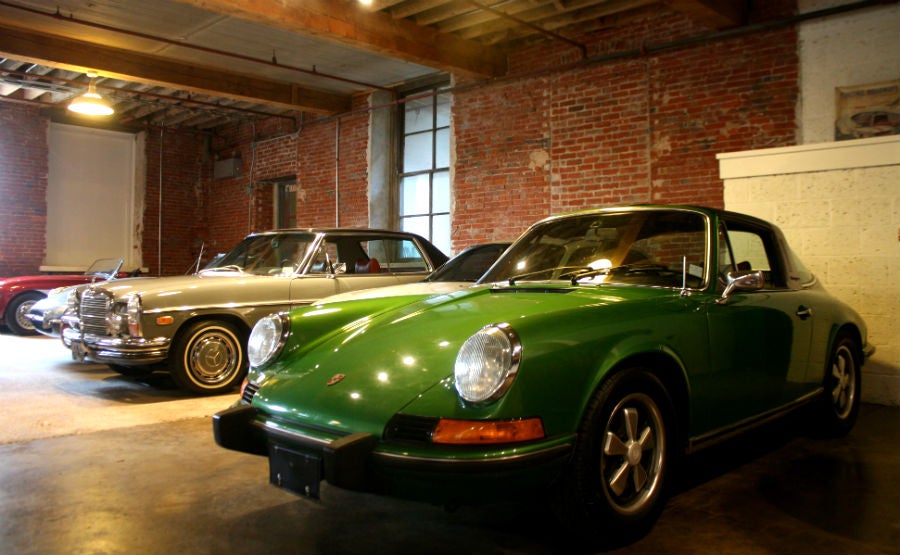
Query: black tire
x=17, y=309
x=208, y=357
x=616, y=485
x=840, y=402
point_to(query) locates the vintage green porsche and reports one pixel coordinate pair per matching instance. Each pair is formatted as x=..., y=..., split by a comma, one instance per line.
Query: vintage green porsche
x=599, y=349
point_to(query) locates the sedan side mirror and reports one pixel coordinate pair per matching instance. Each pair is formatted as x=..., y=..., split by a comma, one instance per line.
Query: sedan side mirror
x=742, y=281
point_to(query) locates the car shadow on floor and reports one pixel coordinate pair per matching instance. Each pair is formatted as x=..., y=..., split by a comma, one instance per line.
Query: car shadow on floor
x=101, y=382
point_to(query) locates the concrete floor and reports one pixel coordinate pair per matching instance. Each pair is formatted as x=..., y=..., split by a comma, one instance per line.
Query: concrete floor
x=91, y=462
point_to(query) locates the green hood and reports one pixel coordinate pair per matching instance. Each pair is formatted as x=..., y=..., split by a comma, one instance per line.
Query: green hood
x=387, y=354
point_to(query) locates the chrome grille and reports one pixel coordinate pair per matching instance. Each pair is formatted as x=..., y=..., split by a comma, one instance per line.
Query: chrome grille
x=95, y=307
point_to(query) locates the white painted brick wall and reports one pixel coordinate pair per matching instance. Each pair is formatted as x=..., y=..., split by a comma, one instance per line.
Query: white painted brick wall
x=844, y=223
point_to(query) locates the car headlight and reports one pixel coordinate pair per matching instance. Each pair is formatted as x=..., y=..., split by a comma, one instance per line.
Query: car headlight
x=267, y=339
x=487, y=363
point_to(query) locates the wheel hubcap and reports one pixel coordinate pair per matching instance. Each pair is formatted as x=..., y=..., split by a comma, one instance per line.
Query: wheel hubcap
x=633, y=453
x=21, y=319
x=213, y=358
x=843, y=373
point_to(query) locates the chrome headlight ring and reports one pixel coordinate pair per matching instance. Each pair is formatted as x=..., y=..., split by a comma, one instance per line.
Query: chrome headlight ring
x=267, y=339
x=487, y=363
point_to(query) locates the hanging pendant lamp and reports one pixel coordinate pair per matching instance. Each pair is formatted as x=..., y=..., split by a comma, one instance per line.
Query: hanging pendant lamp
x=91, y=103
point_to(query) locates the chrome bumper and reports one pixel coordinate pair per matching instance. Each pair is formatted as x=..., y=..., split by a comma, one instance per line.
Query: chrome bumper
x=116, y=350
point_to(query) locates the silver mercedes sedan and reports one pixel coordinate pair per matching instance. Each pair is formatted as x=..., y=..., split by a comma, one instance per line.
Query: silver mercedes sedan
x=196, y=326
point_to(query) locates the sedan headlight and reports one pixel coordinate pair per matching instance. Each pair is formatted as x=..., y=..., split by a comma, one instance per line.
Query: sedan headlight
x=267, y=339
x=487, y=363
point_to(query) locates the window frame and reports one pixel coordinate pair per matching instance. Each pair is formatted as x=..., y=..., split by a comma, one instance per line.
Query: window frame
x=432, y=90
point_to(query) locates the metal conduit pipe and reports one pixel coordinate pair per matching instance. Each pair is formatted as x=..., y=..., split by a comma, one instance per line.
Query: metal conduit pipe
x=337, y=173
x=159, y=211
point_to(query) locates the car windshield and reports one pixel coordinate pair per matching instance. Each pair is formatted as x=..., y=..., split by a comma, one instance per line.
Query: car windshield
x=641, y=247
x=104, y=267
x=265, y=255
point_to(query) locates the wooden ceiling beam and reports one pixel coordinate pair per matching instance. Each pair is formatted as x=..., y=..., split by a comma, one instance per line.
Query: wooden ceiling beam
x=351, y=24
x=60, y=52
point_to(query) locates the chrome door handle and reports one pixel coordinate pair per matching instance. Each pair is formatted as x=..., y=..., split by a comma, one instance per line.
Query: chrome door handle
x=804, y=312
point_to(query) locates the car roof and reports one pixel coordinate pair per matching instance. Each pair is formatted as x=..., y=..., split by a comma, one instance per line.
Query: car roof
x=707, y=210
x=335, y=230
x=437, y=256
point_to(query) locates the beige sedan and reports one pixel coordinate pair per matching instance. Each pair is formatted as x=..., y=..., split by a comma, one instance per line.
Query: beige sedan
x=197, y=326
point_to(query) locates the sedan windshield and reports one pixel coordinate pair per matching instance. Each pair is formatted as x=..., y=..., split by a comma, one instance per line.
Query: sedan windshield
x=265, y=255
x=643, y=247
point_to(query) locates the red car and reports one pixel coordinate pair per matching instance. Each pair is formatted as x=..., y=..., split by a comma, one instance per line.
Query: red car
x=17, y=294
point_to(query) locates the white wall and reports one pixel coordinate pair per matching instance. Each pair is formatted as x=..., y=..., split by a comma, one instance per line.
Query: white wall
x=94, y=198
x=839, y=206
x=858, y=48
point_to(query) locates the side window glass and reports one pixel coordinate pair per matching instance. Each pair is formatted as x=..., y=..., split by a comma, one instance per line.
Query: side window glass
x=753, y=250
x=749, y=251
x=396, y=255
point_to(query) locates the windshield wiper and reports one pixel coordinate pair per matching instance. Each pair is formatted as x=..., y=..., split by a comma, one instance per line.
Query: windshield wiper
x=624, y=269
x=514, y=279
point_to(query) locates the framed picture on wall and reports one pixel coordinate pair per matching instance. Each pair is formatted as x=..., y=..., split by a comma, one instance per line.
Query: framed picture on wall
x=867, y=111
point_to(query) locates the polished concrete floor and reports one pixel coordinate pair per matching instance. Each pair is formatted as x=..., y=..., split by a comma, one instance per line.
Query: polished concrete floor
x=91, y=462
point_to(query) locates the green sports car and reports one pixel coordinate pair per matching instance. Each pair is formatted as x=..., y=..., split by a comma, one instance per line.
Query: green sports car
x=597, y=350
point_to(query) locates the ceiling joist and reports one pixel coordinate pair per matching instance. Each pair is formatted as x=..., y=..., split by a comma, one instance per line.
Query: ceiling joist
x=75, y=55
x=348, y=23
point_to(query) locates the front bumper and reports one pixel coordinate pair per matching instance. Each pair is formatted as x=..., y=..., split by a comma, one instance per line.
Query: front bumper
x=116, y=350
x=300, y=460
x=48, y=323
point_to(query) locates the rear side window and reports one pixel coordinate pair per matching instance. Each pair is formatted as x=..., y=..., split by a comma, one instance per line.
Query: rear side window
x=397, y=255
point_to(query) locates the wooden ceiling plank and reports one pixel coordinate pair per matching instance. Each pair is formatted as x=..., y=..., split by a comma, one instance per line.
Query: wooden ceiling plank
x=413, y=8
x=547, y=15
x=452, y=11
x=719, y=14
x=346, y=22
x=56, y=51
x=483, y=17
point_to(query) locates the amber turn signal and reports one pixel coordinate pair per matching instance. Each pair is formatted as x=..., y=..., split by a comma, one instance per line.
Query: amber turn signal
x=473, y=432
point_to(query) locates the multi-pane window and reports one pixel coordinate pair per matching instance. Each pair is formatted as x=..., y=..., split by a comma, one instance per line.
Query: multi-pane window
x=424, y=187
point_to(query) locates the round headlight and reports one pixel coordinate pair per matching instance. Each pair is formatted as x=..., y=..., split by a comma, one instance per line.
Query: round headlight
x=267, y=339
x=487, y=363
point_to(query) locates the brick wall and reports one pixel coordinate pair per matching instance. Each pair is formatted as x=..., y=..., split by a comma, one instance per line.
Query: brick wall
x=643, y=128
x=23, y=189
x=174, y=170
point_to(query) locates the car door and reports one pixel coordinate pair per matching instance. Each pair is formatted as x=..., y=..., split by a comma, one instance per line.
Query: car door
x=759, y=340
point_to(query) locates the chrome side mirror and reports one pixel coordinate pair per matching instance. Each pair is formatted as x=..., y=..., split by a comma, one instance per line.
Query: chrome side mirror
x=742, y=281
